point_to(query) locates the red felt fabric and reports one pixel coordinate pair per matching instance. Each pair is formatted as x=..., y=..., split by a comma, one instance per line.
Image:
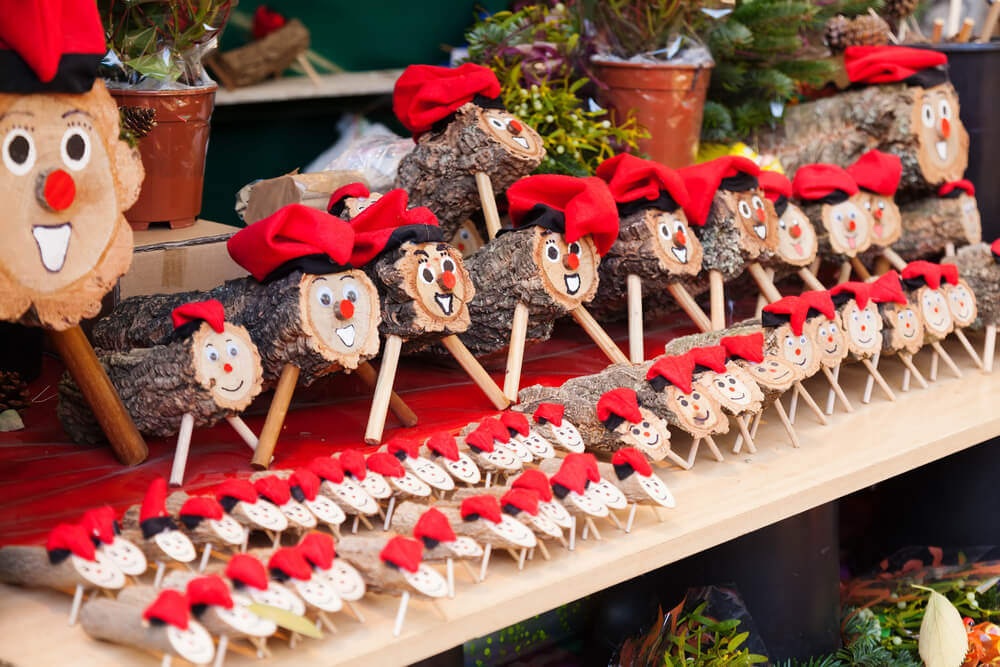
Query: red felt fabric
x=403, y=552
x=573, y=477
x=949, y=272
x=678, y=369
x=888, y=64
x=525, y=500
x=963, y=184
x=820, y=300
x=632, y=178
x=247, y=570
x=931, y=273
x=273, y=488
x=42, y=31
x=433, y=524
x=586, y=203
x=586, y=462
x=327, y=468
x=266, y=21
x=307, y=481
x=747, y=346
x=209, y=590
x=291, y=232
x=861, y=292
x=355, y=190
x=203, y=506
x=496, y=427
x=170, y=607
x=774, y=184
x=100, y=523
x=481, y=438
x=402, y=443
x=815, y=181
x=888, y=289
x=795, y=308
x=632, y=457
x=516, y=421
x=622, y=402
x=703, y=180
x=353, y=462
x=444, y=444
x=550, y=412
x=425, y=94
x=210, y=311
x=713, y=357
x=487, y=507
x=154, y=503
x=877, y=172
x=290, y=561
x=534, y=480
x=995, y=248
x=240, y=489
x=319, y=549
x=374, y=225
x=73, y=538
x=385, y=464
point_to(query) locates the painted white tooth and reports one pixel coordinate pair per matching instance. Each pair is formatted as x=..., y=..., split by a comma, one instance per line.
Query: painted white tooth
x=346, y=335
x=681, y=254
x=445, y=302
x=53, y=244
x=761, y=230
x=522, y=142
x=942, y=149
x=573, y=283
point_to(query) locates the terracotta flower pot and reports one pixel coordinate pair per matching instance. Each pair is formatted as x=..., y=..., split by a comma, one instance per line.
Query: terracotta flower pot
x=667, y=99
x=173, y=154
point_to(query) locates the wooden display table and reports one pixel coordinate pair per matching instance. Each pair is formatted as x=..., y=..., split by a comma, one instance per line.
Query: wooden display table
x=715, y=503
x=283, y=89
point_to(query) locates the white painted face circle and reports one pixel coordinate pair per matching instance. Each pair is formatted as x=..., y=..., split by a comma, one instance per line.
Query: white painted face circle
x=318, y=592
x=731, y=389
x=568, y=437
x=193, y=644
x=375, y=486
x=466, y=547
x=514, y=531
x=411, y=484
x=431, y=473
x=353, y=495
x=542, y=524
x=588, y=503
x=427, y=581
x=265, y=515
x=277, y=595
x=228, y=529
x=609, y=494
x=245, y=621
x=656, y=489
x=128, y=557
x=863, y=326
x=961, y=304
x=175, y=544
x=101, y=571
x=464, y=469
x=934, y=308
x=326, y=510
x=346, y=581
x=503, y=458
x=521, y=451
x=557, y=512
x=906, y=323
x=539, y=446
x=298, y=514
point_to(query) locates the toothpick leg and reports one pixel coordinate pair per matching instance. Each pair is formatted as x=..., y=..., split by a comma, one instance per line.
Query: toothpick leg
x=831, y=377
x=515, y=352
x=960, y=335
x=599, y=335
x=635, y=342
x=715, y=448
x=487, y=550
x=741, y=422
x=793, y=403
x=883, y=385
x=780, y=409
x=401, y=614
x=243, y=431
x=812, y=404
x=991, y=333
x=631, y=518
x=74, y=610
x=488, y=199
x=275, y=416
x=220, y=651
x=718, y=300
x=949, y=362
x=386, y=377
x=693, y=452
x=450, y=569
x=181, y=455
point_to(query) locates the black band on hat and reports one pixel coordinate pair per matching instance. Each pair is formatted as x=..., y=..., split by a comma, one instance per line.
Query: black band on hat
x=412, y=234
x=664, y=202
x=658, y=382
x=57, y=556
x=228, y=503
x=400, y=454
x=199, y=609
x=781, y=205
x=157, y=525
x=623, y=470
x=191, y=521
x=470, y=517
x=699, y=369
x=510, y=509
x=429, y=542
x=996, y=257
x=772, y=320
x=316, y=264
x=914, y=283
x=928, y=78
x=279, y=575
x=839, y=299
x=297, y=493
x=613, y=421
x=75, y=75
x=741, y=182
x=834, y=198
x=183, y=332
x=479, y=100
x=542, y=216
x=337, y=207
x=559, y=490
x=955, y=193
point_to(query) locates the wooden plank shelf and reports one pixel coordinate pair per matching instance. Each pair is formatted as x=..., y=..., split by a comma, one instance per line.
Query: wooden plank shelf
x=716, y=502
x=287, y=88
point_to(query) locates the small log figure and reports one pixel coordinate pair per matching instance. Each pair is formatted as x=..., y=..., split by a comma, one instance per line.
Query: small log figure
x=935, y=224
x=551, y=426
x=345, y=492
x=481, y=518
x=655, y=245
x=599, y=488
x=978, y=265
x=902, y=325
x=924, y=285
x=407, y=451
x=543, y=269
x=521, y=434
x=915, y=116
x=239, y=499
x=164, y=627
x=424, y=291
x=738, y=225
x=320, y=551
x=732, y=386
x=574, y=484
x=468, y=239
x=271, y=488
x=404, y=484
x=863, y=327
x=105, y=532
x=877, y=175
x=154, y=531
x=632, y=474
x=488, y=442
x=249, y=577
x=469, y=147
x=268, y=56
x=206, y=524
x=305, y=485
x=431, y=527
x=444, y=451
x=797, y=240
x=289, y=567
x=371, y=482
x=536, y=481
x=68, y=178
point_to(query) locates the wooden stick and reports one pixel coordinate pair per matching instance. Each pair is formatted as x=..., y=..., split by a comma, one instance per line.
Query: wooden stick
x=599, y=335
x=588, y=522
x=631, y=518
x=935, y=357
x=906, y=379
x=954, y=14
x=744, y=436
x=991, y=329
x=718, y=300
x=845, y=272
x=764, y=282
x=271, y=430
x=469, y=571
x=946, y=358
x=866, y=397
x=310, y=72
x=793, y=404
x=883, y=385
x=810, y=279
x=715, y=448
x=74, y=610
x=938, y=31
x=960, y=335
x=572, y=534
x=181, y=454
x=475, y=370
x=386, y=377
x=787, y=424
x=488, y=199
x=401, y=613
x=693, y=452
x=515, y=352
x=811, y=403
x=89, y=375
x=450, y=569
x=963, y=36
x=544, y=550
x=487, y=550
x=860, y=268
x=388, y=513
x=897, y=262
x=243, y=431
x=990, y=24
x=907, y=360
x=689, y=306
x=635, y=342
x=220, y=651
x=206, y=553
x=949, y=249
x=367, y=373
x=831, y=377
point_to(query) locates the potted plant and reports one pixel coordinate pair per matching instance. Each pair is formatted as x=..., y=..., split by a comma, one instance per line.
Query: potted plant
x=155, y=49
x=649, y=63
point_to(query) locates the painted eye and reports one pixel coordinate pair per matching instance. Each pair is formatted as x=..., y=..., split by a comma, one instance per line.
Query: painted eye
x=211, y=353
x=574, y=248
x=868, y=316
x=774, y=364
x=927, y=115
x=757, y=203
x=802, y=340
x=822, y=331
x=855, y=317
x=745, y=209
x=732, y=381
x=678, y=226
x=696, y=396
x=868, y=205
x=944, y=109
x=833, y=328
x=464, y=234
x=645, y=424
x=853, y=214
x=790, y=342
x=900, y=316
x=909, y=314
x=427, y=274
x=19, y=152
x=720, y=384
x=881, y=206
x=684, y=402
x=781, y=224
x=497, y=123
x=75, y=149
x=635, y=431
x=552, y=252
x=664, y=230
x=448, y=265
x=351, y=293
x=232, y=350
x=838, y=216
x=325, y=296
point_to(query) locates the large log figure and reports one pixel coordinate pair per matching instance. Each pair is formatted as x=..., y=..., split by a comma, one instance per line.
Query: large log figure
x=925, y=285
x=462, y=136
x=933, y=224
x=978, y=265
x=914, y=116
x=392, y=565
x=67, y=562
x=268, y=56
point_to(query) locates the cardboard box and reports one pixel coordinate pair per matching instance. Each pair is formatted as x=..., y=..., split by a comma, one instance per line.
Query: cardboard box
x=167, y=261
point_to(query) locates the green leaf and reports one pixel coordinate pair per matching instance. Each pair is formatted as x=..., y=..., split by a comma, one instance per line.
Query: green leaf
x=735, y=642
x=287, y=620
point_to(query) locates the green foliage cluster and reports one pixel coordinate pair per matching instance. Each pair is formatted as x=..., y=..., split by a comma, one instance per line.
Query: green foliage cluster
x=628, y=27
x=699, y=641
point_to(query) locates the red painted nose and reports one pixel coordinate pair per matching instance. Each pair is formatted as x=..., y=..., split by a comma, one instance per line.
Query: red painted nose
x=679, y=237
x=862, y=327
x=572, y=261
x=696, y=408
x=228, y=368
x=346, y=310
x=795, y=231
x=514, y=127
x=798, y=351
x=761, y=214
x=732, y=389
x=945, y=128
x=878, y=213
x=907, y=325
x=58, y=191
x=448, y=280
x=851, y=225
x=829, y=339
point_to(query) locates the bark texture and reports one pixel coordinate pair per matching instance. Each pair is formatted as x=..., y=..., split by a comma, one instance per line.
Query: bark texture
x=122, y=623
x=363, y=554
x=406, y=515
x=976, y=264
x=30, y=566
x=261, y=58
x=929, y=224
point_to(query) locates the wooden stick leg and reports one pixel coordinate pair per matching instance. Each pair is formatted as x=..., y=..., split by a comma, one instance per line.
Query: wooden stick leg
x=386, y=377
x=206, y=553
x=487, y=550
x=520, y=561
x=474, y=370
x=882, y=384
x=780, y=409
x=89, y=375
x=678, y=459
x=934, y=366
x=388, y=513
x=220, y=651
x=717, y=300
x=764, y=282
x=991, y=337
x=793, y=403
x=356, y=611
x=946, y=358
x=912, y=368
x=310, y=72
x=515, y=352
x=469, y=571
x=949, y=246
x=599, y=335
x=906, y=379
x=960, y=335
x=845, y=272
x=400, y=614
x=809, y=278
x=397, y=405
x=488, y=199
x=756, y=423
x=450, y=571
x=897, y=262
x=74, y=610
x=589, y=521
x=741, y=422
x=275, y=416
x=243, y=431
x=866, y=397
x=631, y=517
x=689, y=306
x=160, y=571
x=544, y=550
x=181, y=455
x=613, y=518
x=811, y=403
x=693, y=452
x=860, y=269
x=635, y=342
x=831, y=377
x=572, y=534
x=585, y=532
x=714, y=448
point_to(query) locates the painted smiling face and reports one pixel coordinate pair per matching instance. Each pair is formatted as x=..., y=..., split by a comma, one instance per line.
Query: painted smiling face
x=556, y=511
x=228, y=529
x=864, y=328
x=67, y=178
x=698, y=413
x=126, y=556
x=325, y=510
x=515, y=136
x=755, y=218
x=318, y=592
x=674, y=244
x=539, y=447
x=657, y=491
x=464, y=469
x=346, y=581
x=609, y=494
x=797, y=242
x=569, y=270
x=798, y=350
x=513, y=531
x=245, y=621
x=587, y=503
x=903, y=328
x=829, y=339
x=848, y=225
x=467, y=239
x=265, y=515
x=426, y=581
x=961, y=302
x=375, y=486
x=430, y=472
x=943, y=143
x=465, y=547
x=298, y=514
x=101, y=572
x=566, y=436
x=340, y=312
x=735, y=390
x=935, y=311
x=651, y=436
x=887, y=222
x=194, y=644
x=773, y=373
x=352, y=495
x=502, y=457
x=227, y=364
x=277, y=595
x=176, y=545
x=411, y=484
x=436, y=279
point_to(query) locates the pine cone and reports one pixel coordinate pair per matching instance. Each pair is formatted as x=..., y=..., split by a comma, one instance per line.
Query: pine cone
x=867, y=30
x=899, y=9
x=13, y=391
x=835, y=33
x=139, y=121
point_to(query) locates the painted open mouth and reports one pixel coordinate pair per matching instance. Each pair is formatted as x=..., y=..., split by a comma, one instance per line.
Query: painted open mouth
x=53, y=244
x=237, y=388
x=737, y=399
x=445, y=302
x=797, y=247
x=760, y=231
x=852, y=242
x=681, y=254
x=346, y=335
x=801, y=363
x=572, y=283
x=522, y=142
x=877, y=230
x=865, y=342
x=700, y=421
x=831, y=351
x=942, y=149
x=654, y=441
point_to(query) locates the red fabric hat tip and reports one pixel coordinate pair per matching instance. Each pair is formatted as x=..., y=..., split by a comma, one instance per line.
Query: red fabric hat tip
x=483, y=507
x=712, y=358
x=572, y=477
x=306, y=481
x=549, y=412
x=202, y=506
x=154, y=504
x=170, y=607
x=536, y=481
x=210, y=590
x=955, y=188
x=585, y=204
x=318, y=549
x=631, y=456
x=72, y=538
x=888, y=289
x=877, y=172
x=385, y=464
x=444, y=444
x=100, y=523
x=703, y=181
x=678, y=370
x=247, y=570
x=403, y=552
x=928, y=271
x=816, y=181
x=274, y=489
x=210, y=311
x=516, y=422
x=861, y=292
x=481, y=438
x=633, y=179
x=353, y=462
x=290, y=562
x=434, y=525
x=525, y=500
x=355, y=190
x=327, y=469
x=383, y=223
x=621, y=402
x=403, y=445
x=775, y=185
x=889, y=64
x=748, y=346
x=425, y=94
x=240, y=489
x=587, y=462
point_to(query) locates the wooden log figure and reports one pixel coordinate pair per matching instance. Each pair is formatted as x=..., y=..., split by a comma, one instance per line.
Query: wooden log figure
x=978, y=265
x=522, y=435
x=550, y=424
x=599, y=487
x=924, y=285
x=907, y=108
x=797, y=238
x=68, y=177
x=154, y=531
x=321, y=553
x=444, y=451
x=862, y=323
x=573, y=482
x=239, y=499
x=268, y=56
x=732, y=386
x=299, y=496
x=407, y=451
x=206, y=523
x=489, y=446
x=545, y=268
x=105, y=532
x=469, y=147
x=877, y=175
x=424, y=291
x=371, y=481
x=631, y=473
x=343, y=491
x=902, y=325
x=655, y=245
x=271, y=488
x=250, y=578
x=935, y=225
x=737, y=224
x=289, y=567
